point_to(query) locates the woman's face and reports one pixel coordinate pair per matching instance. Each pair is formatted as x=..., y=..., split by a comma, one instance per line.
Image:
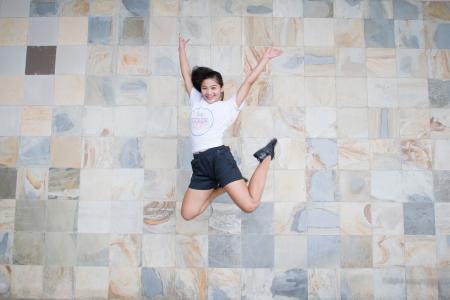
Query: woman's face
x=211, y=90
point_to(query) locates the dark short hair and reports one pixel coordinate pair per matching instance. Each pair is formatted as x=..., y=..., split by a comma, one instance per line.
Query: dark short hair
x=201, y=73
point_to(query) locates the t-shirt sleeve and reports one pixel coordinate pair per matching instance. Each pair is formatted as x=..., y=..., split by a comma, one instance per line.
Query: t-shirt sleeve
x=195, y=96
x=233, y=109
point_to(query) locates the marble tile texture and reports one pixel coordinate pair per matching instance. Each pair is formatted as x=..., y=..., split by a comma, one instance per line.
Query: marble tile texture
x=95, y=151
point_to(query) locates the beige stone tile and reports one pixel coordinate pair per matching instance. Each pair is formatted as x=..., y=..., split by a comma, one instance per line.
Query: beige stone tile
x=285, y=216
x=7, y=214
x=257, y=122
x=422, y=282
x=98, y=152
x=194, y=8
x=289, y=186
x=290, y=154
x=72, y=30
x=102, y=7
x=412, y=63
x=291, y=62
x=32, y=184
x=414, y=123
x=14, y=31
x=251, y=57
x=11, y=90
x=420, y=250
x=258, y=31
x=288, y=32
x=226, y=31
x=320, y=91
x=163, y=31
x=387, y=219
x=288, y=91
x=191, y=251
x=417, y=154
x=381, y=62
x=128, y=184
x=345, y=9
x=282, y=257
x=196, y=29
x=160, y=153
x=319, y=32
x=36, y=121
x=290, y=122
x=323, y=283
x=355, y=219
x=96, y=185
x=163, y=90
x=197, y=226
x=74, y=8
x=349, y=33
x=351, y=62
x=227, y=60
x=91, y=282
x=66, y=152
x=440, y=123
x=385, y=154
x=438, y=63
x=98, y=121
x=163, y=60
x=124, y=282
x=27, y=281
x=289, y=8
x=412, y=92
x=165, y=7
x=100, y=60
x=191, y=283
x=320, y=61
x=354, y=186
x=132, y=60
x=130, y=120
x=227, y=280
x=352, y=123
x=124, y=250
x=69, y=90
x=9, y=151
x=58, y=282
x=388, y=250
x=353, y=154
x=351, y=92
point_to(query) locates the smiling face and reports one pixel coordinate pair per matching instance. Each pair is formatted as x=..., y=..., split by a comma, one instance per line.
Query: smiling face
x=211, y=90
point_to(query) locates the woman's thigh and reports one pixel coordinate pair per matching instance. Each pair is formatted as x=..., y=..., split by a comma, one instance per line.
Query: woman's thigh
x=193, y=201
x=238, y=191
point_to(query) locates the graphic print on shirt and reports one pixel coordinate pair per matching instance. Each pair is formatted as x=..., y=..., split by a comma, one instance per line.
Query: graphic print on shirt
x=201, y=121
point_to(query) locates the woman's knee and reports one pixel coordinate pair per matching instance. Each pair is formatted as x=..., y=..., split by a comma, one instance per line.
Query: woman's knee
x=249, y=206
x=188, y=214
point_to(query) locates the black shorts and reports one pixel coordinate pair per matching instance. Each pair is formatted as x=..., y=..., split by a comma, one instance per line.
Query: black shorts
x=214, y=168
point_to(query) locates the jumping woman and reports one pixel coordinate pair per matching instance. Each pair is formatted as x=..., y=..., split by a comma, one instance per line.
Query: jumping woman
x=214, y=170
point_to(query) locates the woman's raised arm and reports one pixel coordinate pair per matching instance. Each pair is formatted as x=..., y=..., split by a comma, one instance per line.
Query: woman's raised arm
x=184, y=64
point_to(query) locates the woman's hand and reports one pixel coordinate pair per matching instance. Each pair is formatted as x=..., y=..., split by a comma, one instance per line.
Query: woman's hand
x=182, y=42
x=272, y=52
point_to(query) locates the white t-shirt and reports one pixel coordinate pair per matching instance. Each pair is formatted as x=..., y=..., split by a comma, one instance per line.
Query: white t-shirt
x=208, y=122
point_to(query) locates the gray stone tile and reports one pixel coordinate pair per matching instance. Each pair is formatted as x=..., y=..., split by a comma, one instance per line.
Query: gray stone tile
x=439, y=93
x=324, y=150
x=60, y=249
x=379, y=33
x=71, y=59
x=8, y=181
x=323, y=186
x=292, y=283
x=323, y=251
x=409, y=34
x=436, y=10
x=12, y=60
x=40, y=60
x=39, y=90
x=6, y=240
x=42, y=31
x=64, y=183
x=67, y=120
x=43, y=8
x=407, y=9
x=444, y=283
x=419, y=218
x=28, y=248
x=14, y=8
x=11, y=118
x=300, y=222
x=224, y=251
x=441, y=38
x=34, y=151
x=30, y=215
x=260, y=221
x=137, y=7
x=379, y=9
x=225, y=219
x=184, y=154
x=100, y=30
x=92, y=249
x=133, y=31
x=389, y=283
x=441, y=184
x=132, y=90
x=100, y=91
x=318, y=8
x=322, y=218
x=259, y=10
x=130, y=153
x=157, y=282
x=257, y=251
x=61, y=216
x=356, y=251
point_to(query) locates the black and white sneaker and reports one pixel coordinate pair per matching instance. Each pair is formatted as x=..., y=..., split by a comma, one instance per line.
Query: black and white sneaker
x=267, y=150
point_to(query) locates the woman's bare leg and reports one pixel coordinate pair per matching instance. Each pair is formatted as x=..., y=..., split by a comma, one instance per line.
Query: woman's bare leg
x=249, y=198
x=193, y=202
